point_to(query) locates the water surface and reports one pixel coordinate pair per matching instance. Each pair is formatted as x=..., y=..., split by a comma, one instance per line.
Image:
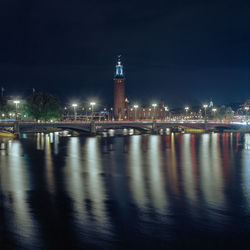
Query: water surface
x=144, y=191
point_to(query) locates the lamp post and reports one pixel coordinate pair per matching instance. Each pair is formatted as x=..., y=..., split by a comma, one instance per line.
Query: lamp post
x=16, y=102
x=92, y=104
x=166, y=110
x=74, y=105
x=186, y=108
x=205, y=118
x=247, y=108
x=135, y=106
x=214, y=111
x=154, y=105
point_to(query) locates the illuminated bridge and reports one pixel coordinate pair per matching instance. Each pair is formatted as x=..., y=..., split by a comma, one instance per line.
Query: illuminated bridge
x=140, y=126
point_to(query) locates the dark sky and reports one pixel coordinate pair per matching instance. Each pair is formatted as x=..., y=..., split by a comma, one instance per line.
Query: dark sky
x=185, y=52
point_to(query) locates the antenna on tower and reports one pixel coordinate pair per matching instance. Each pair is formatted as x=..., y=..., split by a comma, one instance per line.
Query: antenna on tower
x=2, y=91
x=119, y=59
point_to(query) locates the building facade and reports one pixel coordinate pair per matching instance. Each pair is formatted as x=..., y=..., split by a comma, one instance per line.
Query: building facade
x=119, y=91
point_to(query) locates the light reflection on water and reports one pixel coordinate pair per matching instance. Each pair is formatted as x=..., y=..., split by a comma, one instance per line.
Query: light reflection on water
x=14, y=180
x=75, y=192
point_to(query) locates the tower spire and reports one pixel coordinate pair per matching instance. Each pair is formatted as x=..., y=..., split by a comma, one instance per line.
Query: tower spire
x=119, y=68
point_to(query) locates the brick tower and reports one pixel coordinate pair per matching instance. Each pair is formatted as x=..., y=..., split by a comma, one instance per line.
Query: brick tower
x=119, y=91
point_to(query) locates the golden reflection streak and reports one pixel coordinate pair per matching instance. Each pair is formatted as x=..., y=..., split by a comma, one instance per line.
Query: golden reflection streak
x=96, y=191
x=157, y=183
x=49, y=165
x=173, y=169
x=205, y=164
x=56, y=143
x=137, y=185
x=74, y=179
x=216, y=169
x=38, y=141
x=210, y=165
x=42, y=141
x=187, y=168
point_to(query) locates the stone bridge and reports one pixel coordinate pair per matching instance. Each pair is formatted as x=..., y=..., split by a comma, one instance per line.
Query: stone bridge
x=141, y=126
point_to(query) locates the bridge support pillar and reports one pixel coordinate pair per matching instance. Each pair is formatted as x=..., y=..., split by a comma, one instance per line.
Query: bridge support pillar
x=154, y=127
x=92, y=128
x=205, y=125
x=16, y=129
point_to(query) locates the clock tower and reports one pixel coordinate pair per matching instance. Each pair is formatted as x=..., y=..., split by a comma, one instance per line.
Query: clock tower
x=119, y=91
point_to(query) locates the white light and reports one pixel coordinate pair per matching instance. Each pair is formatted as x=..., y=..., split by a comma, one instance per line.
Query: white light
x=16, y=102
x=74, y=105
x=92, y=103
x=135, y=106
x=205, y=106
x=154, y=105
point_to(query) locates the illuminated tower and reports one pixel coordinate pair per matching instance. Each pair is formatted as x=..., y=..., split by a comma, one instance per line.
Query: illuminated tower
x=119, y=91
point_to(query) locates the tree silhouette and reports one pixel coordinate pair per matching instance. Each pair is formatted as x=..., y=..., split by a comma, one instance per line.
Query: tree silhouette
x=43, y=106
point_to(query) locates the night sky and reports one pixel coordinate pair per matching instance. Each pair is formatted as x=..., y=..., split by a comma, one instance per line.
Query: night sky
x=185, y=52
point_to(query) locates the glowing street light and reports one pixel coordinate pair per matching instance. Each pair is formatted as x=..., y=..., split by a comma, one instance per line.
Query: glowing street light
x=214, y=110
x=186, y=108
x=205, y=118
x=92, y=104
x=166, y=110
x=154, y=105
x=136, y=107
x=16, y=102
x=74, y=105
x=246, y=108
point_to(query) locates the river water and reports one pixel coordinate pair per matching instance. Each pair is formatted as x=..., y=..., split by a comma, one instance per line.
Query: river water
x=177, y=191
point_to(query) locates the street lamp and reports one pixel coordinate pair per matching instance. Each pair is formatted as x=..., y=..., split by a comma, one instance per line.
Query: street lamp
x=166, y=110
x=154, y=105
x=214, y=111
x=205, y=107
x=135, y=106
x=74, y=105
x=186, y=108
x=246, y=108
x=92, y=104
x=16, y=102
